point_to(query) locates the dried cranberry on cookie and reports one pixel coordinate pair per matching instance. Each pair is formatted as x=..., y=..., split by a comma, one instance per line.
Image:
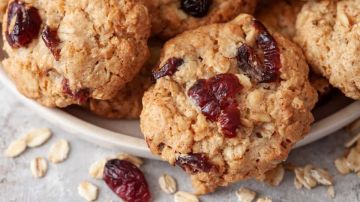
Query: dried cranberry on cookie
x=230, y=101
x=172, y=17
x=63, y=52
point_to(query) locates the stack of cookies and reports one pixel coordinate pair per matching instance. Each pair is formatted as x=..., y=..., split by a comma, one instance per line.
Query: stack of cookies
x=219, y=92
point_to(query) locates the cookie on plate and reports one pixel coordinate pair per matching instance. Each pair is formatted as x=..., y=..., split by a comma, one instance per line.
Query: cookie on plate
x=62, y=52
x=329, y=34
x=229, y=102
x=127, y=104
x=171, y=17
x=3, y=5
x=279, y=15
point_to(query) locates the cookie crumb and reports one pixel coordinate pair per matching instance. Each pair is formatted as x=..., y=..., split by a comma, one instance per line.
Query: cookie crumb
x=88, y=191
x=59, y=151
x=167, y=184
x=245, y=195
x=275, y=176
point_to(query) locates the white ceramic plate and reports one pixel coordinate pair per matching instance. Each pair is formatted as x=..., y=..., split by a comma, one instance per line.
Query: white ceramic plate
x=126, y=136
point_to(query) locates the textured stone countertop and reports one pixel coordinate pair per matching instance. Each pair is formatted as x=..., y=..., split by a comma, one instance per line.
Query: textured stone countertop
x=60, y=183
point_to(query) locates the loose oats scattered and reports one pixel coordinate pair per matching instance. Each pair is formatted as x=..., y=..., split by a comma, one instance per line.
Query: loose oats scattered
x=88, y=191
x=38, y=167
x=264, y=199
x=96, y=170
x=182, y=196
x=309, y=177
x=245, y=195
x=59, y=151
x=322, y=176
x=167, y=184
x=275, y=176
x=342, y=166
x=132, y=159
x=297, y=184
x=331, y=191
x=353, y=160
x=37, y=137
x=15, y=148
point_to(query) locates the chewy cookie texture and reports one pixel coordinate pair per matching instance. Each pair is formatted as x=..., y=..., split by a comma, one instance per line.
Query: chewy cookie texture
x=329, y=34
x=172, y=17
x=127, y=104
x=229, y=102
x=63, y=52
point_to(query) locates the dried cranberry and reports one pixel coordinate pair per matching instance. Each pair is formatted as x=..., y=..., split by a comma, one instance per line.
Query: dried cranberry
x=260, y=71
x=169, y=69
x=23, y=24
x=194, y=163
x=196, y=8
x=81, y=95
x=52, y=41
x=126, y=180
x=216, y=98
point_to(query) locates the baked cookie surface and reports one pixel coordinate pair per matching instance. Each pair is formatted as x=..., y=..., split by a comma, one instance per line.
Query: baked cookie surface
x=63, y=52
x=3, y=5
x=229, y=102
x=127, y=104
x=279, y=15
x=172, y=17
x=329, y=34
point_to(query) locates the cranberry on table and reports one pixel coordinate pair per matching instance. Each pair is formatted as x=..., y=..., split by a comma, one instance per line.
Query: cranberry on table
x=169, y=68
x=248, y=61
x=23, y=24
x=52, y=41
x=196, y=8
x=194, y=163
x=126, y=180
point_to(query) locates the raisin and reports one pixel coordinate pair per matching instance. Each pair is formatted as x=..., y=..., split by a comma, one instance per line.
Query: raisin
x=194, y=163
x=52, y=41
x=216, y=98
x=260, y=71
x=81, y=95
x=23, y=24
x=169, y=68
x=126, y=180
x=196, y=8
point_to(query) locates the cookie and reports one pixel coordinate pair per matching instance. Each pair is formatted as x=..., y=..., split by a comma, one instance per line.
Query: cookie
x=63, y=52
x=229, y=102
x=3, y=5
x=172, y=17
x=127, y=104
x=328, y=33
x=279, y=15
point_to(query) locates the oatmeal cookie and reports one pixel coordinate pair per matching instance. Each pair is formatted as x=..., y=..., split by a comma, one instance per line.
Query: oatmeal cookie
x=172, y=17
x=229, y=102
x=62, y=52
x=128, y=102
x=3, y=5
x=328, y=32
x=279, y=15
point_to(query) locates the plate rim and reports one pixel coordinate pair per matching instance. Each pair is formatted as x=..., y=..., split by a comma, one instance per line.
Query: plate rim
x=137, y=146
